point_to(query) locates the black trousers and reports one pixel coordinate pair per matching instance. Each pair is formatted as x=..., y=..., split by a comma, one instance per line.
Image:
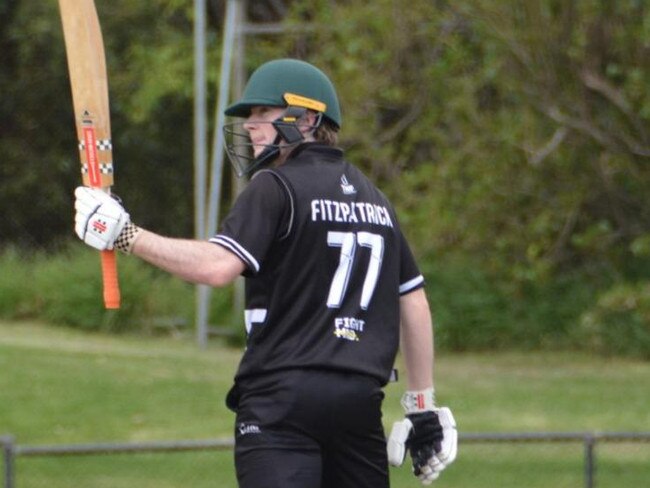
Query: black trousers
x=310, y=429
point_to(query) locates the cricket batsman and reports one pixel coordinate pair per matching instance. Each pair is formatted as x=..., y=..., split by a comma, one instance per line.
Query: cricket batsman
x=332, y=292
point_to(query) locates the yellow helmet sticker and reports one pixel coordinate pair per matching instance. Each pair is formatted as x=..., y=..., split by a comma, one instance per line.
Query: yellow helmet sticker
x=300, y=101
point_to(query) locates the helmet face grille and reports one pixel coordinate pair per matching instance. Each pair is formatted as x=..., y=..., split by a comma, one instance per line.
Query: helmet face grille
x=240, y=150
x=289, y=129
x=273, y=81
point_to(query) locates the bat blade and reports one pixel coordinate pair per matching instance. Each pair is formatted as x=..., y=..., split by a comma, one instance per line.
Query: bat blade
x=89, y=83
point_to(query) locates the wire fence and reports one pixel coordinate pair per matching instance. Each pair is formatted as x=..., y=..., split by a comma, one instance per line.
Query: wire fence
x=548, y=464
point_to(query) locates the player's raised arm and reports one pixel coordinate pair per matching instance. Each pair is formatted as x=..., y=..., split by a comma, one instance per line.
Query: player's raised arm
x=102, y=223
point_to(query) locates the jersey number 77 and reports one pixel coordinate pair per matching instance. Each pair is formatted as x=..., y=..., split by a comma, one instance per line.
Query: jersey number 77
x=348, y=242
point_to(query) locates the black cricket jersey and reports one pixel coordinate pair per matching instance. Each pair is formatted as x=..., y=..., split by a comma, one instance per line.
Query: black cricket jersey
x=326, y=265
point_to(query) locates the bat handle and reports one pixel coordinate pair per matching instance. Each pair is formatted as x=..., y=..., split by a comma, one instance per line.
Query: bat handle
x=111, y=285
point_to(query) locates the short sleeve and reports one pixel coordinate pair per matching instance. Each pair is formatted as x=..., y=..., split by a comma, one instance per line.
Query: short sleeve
x=259, y=217
x=410, y=278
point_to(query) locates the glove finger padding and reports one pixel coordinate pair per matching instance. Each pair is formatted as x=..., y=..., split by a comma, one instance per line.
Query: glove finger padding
x=449, y=444
x=99, y=218
x=433, y=442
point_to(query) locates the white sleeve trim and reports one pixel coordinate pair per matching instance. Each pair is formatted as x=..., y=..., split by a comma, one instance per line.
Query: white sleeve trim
x=411, y=285
x=240, y=251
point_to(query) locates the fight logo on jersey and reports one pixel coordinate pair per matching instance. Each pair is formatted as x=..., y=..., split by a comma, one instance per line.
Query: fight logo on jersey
x=347, y=188
x=348, y=328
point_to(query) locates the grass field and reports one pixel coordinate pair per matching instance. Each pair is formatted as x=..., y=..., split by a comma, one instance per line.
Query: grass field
x=59, y=386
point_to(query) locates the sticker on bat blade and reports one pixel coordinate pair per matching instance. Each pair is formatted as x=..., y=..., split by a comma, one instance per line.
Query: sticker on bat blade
x=86, y=118
x=89, y=141
x=104, y=168
x=102, y=145
x=96, y=150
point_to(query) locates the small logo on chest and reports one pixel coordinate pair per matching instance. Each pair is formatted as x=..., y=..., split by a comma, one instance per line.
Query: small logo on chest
x=347, y=188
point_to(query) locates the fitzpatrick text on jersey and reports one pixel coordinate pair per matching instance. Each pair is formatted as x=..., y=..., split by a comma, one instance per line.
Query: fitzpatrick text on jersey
x=353, y=212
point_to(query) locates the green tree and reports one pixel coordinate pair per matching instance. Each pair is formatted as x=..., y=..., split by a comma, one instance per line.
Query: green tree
x=150, y=83
x=514, y=138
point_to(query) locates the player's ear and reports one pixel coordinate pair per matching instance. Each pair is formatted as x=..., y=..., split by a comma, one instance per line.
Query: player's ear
x=310, y=121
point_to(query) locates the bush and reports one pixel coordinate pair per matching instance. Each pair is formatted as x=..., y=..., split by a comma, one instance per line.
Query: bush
x=65, y=289
x=468, y=310
x=475, y=309
x=16, y=295
x=619, y=323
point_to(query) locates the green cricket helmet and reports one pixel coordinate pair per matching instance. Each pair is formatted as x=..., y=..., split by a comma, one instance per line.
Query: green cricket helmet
x=290, y=83
x=304, y=84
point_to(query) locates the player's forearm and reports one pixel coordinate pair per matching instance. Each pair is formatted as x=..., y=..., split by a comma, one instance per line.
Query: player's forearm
x=417, y=340
x=191, y=260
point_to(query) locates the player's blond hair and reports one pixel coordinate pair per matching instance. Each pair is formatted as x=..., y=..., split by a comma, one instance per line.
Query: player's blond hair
x=327, y=133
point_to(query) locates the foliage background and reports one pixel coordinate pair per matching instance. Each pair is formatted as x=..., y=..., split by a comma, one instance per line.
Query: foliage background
x=513, y=138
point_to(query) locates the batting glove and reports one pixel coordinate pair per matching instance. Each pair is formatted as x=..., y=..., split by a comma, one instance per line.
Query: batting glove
x=101, y=221
x=428, y=432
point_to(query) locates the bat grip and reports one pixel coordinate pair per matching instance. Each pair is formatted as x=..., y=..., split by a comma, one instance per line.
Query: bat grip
x=111, y=285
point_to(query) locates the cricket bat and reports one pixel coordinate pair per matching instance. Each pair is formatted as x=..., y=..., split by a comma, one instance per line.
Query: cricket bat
x=87, y=68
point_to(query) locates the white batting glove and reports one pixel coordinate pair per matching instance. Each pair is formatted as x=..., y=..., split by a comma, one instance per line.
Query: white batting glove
x=99, y=218
x=428, y=432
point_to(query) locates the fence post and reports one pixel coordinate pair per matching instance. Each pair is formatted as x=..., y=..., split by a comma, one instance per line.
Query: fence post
x=8, y=460
x=590, y=462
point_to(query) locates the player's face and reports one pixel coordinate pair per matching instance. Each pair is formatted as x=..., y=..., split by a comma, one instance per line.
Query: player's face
x=259, y=127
